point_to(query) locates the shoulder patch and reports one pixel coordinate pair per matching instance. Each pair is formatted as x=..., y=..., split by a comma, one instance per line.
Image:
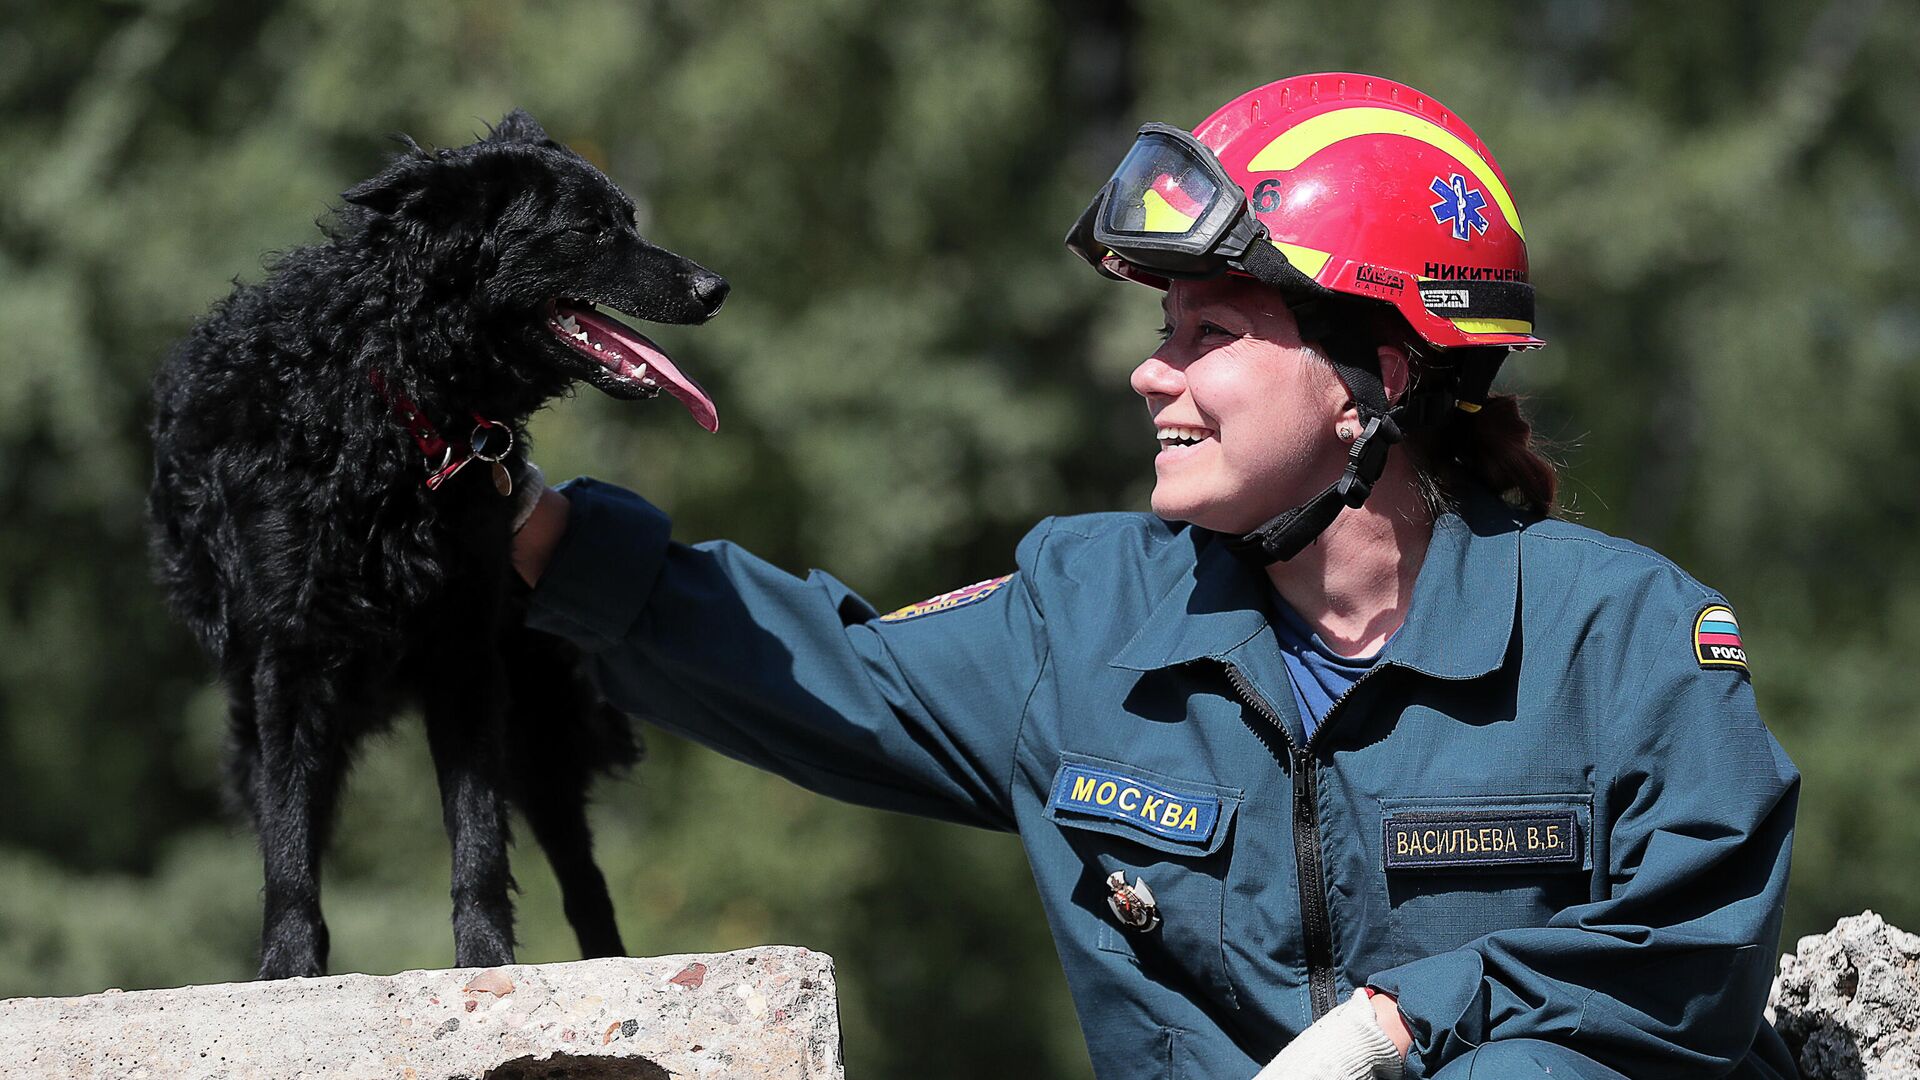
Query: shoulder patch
x=1716, y=639
x=947, y=601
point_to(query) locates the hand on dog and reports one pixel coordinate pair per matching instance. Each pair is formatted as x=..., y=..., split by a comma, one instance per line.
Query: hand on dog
x=527, y=488
x=538, y=529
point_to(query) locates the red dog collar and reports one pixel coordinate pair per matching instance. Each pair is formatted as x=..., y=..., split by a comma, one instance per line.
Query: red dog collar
x=431, y=444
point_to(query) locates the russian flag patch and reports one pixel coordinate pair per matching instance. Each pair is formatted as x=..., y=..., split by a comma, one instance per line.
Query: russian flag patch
x=1716, y=639
x=972, y=594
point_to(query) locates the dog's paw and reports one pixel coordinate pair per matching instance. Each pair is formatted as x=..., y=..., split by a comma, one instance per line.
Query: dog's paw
x=293, y=948
x=285, y=965
x=480, y=942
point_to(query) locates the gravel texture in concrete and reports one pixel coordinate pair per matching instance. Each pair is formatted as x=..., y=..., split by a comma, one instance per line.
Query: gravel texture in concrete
x=767, y=1012
x=1848, y=1002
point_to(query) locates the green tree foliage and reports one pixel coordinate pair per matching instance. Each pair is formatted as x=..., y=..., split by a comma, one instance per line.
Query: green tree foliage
x=1721, y=200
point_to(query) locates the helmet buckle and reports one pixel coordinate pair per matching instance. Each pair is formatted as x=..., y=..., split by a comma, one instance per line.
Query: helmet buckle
x=1366, y=459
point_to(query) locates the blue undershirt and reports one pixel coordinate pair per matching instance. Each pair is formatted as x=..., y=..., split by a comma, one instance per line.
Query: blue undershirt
x=1319, y=675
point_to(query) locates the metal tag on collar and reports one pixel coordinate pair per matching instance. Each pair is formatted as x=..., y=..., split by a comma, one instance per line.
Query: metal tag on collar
x=487, y=445
x=1132, y=904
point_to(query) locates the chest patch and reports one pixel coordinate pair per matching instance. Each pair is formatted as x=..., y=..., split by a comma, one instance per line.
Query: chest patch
x=947, y=601
x=1716, y=639
x=1115, y=796
x=1474, y=839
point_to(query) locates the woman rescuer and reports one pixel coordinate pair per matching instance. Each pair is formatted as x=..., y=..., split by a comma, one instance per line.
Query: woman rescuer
x=1349, y=753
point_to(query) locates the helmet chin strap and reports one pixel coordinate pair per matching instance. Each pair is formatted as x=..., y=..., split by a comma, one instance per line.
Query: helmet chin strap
x=1353, y=356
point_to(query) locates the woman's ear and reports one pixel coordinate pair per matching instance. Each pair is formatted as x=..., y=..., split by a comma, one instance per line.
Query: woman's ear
x=1394, y=371
x=1348, y=424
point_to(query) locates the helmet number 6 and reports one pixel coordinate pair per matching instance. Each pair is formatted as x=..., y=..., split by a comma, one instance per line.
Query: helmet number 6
x=1266, y=196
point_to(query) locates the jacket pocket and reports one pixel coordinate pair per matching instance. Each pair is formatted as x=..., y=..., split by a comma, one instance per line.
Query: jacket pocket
x=1169, y=832
x=1458, y=867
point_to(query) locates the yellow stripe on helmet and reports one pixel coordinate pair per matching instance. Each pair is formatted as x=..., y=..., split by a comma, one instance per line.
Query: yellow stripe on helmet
x=1161, y=217
x=1493, y=326
x=1310, y=136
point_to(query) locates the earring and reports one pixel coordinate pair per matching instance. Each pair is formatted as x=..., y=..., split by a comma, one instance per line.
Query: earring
x=1346, y=433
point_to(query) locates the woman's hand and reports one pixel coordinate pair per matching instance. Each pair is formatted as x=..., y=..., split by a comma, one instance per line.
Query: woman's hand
x=1386, y=1010
x=539, y=535
x=1353, y=1042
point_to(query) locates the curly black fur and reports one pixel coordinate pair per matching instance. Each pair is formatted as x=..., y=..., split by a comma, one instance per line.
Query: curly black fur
x=295, y=535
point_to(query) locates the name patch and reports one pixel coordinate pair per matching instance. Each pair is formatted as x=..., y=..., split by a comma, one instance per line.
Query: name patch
x=1482, y=838
x=1162, y=811
x=1716, y=639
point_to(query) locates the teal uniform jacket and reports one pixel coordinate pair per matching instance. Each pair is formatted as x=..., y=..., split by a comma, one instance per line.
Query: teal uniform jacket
x=1549, y=812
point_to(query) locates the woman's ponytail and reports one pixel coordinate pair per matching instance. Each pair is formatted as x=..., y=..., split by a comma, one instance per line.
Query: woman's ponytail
x=1494, y=448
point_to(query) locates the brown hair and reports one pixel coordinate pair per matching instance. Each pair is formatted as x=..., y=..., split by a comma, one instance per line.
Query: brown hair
x=1495, y=448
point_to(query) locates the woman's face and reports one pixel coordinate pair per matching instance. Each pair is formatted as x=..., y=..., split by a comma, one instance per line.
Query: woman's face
x=1246, y=415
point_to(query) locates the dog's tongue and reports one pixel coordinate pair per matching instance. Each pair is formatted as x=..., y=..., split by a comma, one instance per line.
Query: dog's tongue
x=661, y=369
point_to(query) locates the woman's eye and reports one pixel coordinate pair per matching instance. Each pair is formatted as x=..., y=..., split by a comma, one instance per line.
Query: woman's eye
x=1201, y=329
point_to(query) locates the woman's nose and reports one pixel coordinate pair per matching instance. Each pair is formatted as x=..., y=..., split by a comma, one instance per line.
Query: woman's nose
x=1154, y=376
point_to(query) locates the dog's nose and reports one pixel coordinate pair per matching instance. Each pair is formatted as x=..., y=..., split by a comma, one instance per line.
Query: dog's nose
x=710, y=290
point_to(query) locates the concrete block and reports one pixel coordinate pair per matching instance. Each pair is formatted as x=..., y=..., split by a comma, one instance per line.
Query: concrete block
x=768, y=1012
x=1848, y=1002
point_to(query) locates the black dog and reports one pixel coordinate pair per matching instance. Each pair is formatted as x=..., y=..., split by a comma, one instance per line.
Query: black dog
x=333, y=452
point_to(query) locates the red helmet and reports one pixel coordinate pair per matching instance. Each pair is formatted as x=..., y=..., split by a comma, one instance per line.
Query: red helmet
x=1367, y=187
x=1325, y=185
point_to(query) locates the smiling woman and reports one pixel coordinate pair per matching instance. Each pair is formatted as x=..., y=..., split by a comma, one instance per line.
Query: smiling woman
x=1343, y=763
x=1253, y=411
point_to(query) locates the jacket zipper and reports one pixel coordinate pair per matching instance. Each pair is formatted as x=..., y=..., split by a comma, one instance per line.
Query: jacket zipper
x=1316, y=925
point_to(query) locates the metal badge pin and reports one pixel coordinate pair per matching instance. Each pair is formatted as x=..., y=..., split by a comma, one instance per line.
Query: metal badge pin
x=1132, y=904
x=484, y=442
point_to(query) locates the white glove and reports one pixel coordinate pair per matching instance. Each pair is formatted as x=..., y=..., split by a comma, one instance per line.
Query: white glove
x=526, y=492
x=1345, y=1044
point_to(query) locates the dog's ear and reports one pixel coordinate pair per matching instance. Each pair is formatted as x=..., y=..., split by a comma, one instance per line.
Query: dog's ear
x=517, y=126
x=383, y=193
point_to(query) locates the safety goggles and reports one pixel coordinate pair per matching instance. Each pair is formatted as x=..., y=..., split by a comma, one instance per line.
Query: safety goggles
x=1169, y=210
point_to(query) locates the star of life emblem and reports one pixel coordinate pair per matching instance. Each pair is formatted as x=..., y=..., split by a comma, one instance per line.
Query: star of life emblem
x=1459, y=206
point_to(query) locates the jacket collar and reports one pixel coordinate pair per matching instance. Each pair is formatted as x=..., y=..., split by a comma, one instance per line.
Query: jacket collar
x=1458, y=627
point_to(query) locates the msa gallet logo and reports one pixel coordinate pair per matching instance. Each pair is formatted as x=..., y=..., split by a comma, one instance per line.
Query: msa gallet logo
x=1443, y=299
x=1381, y=277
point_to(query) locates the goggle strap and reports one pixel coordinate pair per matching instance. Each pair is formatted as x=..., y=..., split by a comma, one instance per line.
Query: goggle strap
x=1269, y=266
